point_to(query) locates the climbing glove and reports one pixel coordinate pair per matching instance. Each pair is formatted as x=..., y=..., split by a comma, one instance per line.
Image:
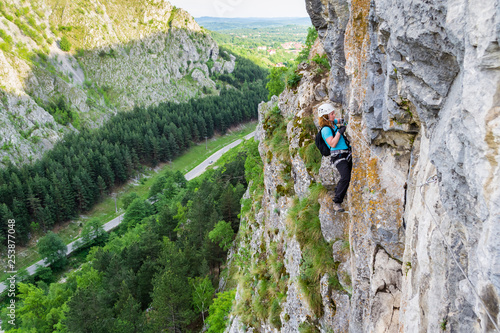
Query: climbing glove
x=342, y=129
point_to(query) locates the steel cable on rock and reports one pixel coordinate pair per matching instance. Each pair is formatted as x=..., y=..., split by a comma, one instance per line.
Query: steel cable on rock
x=432, y=180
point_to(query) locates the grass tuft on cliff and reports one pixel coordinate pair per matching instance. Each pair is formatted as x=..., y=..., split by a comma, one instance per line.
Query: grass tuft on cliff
x=317, y=259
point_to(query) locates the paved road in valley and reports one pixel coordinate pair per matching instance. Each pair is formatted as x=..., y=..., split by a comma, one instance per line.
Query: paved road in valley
x=214, y=157
x=198, y=170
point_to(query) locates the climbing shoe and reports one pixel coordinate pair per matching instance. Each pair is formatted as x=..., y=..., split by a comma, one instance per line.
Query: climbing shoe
x=338, y=208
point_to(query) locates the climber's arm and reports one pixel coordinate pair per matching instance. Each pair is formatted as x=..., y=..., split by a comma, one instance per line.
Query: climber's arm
x=333, y=140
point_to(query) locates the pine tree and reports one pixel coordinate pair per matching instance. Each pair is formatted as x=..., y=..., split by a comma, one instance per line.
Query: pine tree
x=49, y=216
x=55, y=199
x=45, y=218
x=68, y=200
x=119, y=171
x=80, y=194
x=135, y=159
x=91, y=189
x=164, y=154
x=129, y=163
x=88, y=312
x=171, y=293
x=101, y=184
x=155, y=152
x=173, y=145
x=106, y=172
x=22, y=218
x=5, y=215
x=33, y=204
x=129, y=316
x=5, y=194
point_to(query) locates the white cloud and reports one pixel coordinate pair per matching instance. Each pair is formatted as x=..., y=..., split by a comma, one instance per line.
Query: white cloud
x=243, y=8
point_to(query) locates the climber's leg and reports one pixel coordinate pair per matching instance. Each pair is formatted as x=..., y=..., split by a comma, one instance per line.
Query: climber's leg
x=344, y=169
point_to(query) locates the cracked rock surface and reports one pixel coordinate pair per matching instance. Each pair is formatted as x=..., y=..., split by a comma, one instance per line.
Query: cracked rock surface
x=420, y=86
x=419, y=83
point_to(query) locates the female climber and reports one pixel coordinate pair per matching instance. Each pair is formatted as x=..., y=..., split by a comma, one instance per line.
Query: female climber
x=340, y=150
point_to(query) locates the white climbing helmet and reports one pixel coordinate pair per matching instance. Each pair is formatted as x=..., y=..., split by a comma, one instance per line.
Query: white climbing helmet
x=325, y=109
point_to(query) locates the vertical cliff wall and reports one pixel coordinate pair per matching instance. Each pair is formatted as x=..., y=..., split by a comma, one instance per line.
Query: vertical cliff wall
x=419, y=83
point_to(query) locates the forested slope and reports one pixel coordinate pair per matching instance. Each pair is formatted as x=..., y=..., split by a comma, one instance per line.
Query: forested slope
x=74, y=175
x=70, y=65
x=159, y=271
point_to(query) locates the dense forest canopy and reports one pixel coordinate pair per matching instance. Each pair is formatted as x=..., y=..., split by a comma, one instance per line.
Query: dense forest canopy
x=159, y=271
x=83, y=167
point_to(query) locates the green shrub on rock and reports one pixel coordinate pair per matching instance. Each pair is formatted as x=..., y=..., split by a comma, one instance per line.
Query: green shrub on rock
x=219, y=311
x=65, y=44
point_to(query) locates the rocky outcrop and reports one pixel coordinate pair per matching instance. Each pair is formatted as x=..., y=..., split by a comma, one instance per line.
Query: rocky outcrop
x=421, y=91
x=122, y=54
x=270, y=231
x=418, y=251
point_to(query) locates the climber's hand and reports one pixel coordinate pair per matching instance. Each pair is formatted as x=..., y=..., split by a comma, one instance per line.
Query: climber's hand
x=342, y=129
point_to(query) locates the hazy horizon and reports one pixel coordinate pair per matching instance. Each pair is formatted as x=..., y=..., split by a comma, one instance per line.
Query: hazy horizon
x=243, y=9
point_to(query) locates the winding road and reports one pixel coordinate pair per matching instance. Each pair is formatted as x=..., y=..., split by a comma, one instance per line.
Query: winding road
x=198, y=170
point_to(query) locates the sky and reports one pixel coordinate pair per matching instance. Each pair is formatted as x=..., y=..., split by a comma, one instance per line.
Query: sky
x=243, y=8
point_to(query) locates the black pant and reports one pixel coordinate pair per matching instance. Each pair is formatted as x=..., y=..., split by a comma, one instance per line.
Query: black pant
x=344, y=169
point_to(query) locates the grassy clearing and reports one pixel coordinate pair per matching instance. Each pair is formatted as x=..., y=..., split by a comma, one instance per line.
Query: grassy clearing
x=105, y=210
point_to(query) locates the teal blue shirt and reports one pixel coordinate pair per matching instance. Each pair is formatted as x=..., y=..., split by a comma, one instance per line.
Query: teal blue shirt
x=326, y=132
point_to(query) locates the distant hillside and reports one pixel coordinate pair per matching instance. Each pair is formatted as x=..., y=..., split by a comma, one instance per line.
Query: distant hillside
x=220, y=23
x=70, y=65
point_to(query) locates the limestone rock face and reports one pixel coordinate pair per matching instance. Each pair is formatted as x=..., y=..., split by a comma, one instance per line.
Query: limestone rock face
x=288, y=177
x=419, y=83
